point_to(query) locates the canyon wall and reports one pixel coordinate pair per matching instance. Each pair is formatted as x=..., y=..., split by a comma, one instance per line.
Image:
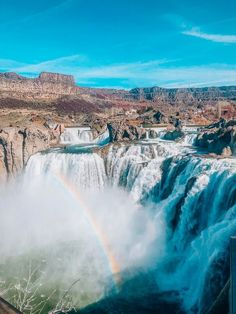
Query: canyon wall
x=184, y=95
x=47, y=86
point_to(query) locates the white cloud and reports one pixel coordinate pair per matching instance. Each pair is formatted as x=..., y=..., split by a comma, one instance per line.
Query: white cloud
x=8, y=64
x=229, y=39
x=63, y=64
x=123, y=70
x=166, y=75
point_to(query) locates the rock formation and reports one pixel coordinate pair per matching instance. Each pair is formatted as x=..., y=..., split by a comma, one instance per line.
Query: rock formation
x=183, y=95
x=150, y=116
x=174, y=135
x=56, y=78
x=121, y=131
x=219, y=138
x=46, y=86
x=17, y=144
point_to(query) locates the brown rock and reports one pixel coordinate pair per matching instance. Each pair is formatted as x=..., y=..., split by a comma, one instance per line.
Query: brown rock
x=219, y=138
x=121, y=131
x=46, y=86
x=18, y=144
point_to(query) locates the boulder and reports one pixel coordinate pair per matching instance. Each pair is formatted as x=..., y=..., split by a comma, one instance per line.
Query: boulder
x=159, y=118
x=151, y=116
x=153, y=134
x=121, y=131
x=173, y=135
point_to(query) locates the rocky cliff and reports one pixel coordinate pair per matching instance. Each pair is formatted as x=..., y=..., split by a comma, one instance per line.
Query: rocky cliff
x=46, y=86
x=17, y=144
x=184, y=95
x=219, y=138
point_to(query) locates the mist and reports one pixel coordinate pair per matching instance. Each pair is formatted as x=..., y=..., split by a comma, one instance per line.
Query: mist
x=44, y=229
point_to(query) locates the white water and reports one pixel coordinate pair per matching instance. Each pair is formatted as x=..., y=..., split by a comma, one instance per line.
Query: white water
x=188, y=210
x=86, y=171
x=76, y=136
x=188, y=140
x=82, y=135
x=198, y=234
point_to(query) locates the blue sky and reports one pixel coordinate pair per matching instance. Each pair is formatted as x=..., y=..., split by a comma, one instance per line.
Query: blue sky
x=123, y=44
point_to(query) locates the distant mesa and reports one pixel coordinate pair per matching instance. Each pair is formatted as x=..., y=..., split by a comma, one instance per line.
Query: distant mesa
x=44, y=77
x=47, y=86
x=57, y=78
x=52, y=86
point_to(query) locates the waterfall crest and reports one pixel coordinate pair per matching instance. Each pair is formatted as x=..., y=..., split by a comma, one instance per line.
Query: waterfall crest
x=86, y=171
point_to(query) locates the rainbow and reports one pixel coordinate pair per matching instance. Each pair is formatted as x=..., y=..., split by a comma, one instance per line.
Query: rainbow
x=113, y=264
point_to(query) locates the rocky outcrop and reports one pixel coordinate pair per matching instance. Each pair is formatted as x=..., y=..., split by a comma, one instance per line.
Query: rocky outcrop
x=174, y=135
x=219, y=138
x=97, y=125
x=151, y=116
x=121, y=131
x=56, y=78
x=47, y=86
x=17, y=144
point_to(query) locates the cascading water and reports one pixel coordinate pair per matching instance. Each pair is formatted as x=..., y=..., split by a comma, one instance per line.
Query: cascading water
x=197, y=197
x=87, y=171
x=77, y=136
x=137, y=167
x=82, y=135
x=158, y=133
x=188, y=202
x=190, y=135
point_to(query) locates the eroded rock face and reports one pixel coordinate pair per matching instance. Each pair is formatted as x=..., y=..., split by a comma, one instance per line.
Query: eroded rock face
x=46, y=86
x=121, y=131
x=183, y=95
x=18, y=144
x=219, y=138
x=56, y=78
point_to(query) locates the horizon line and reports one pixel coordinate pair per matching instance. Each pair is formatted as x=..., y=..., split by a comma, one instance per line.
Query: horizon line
x=77, y=84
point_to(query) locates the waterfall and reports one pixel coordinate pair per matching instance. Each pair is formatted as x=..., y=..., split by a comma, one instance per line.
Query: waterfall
x=198, y=199
x=136, y=167
x=157, y=135
x=76, y=136
x=190, y=135
x=86, y=171
x=193, y=196
x=103, y=138
x=83, y=135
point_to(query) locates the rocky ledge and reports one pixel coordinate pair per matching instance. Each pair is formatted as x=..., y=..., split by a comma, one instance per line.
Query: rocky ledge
x=219, y=138
x=17, y=144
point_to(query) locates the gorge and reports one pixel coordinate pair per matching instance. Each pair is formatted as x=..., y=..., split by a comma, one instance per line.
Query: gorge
x=127, y=221
x=115, y=201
